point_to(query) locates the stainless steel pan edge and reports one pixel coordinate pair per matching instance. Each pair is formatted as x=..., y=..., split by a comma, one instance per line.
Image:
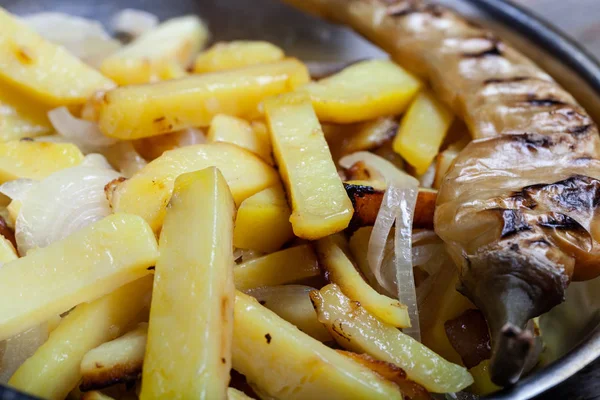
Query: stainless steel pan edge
x=305, y=37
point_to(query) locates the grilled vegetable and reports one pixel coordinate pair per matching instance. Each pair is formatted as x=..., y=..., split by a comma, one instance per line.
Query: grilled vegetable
x=42, y=69
x=35, y=160
x=245, y=173
x=518, y=208
x=191, y=319
x=285, y=266
x=133, y=112
x=117, y=361
x=157, y=53
x=19, y=118
x=363, y=91
x=266, y=212
x=320, y=206
x=263, y=343
x=82, y=267
x=54, y=370
x=354, y=328
x=236, y=54
x=225, y=128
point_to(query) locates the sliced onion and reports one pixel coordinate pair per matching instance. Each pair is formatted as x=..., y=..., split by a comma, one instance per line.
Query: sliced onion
x=61, y=204
x=96, y=160
x=17, y=189
x=133, y=22
x=125, y=158
x=407, y=199
x=190, y=136
x=421, y=235
x=84, y=134
x=84, y=38
x=382, y=169
x=17, y=349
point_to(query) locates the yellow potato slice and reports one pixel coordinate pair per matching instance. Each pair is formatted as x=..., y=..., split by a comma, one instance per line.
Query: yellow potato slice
x=42, y=69
x=445, y=159
x=53, y=370
x=422, y=131
x=20, y=116
x=153, y=147
x=266, y=212
x=363, y=91
x=158, y=54
x=354, y=328
x=320, y=205
x=285, y=266
x=483, y=384
x=225, y=128
x=292, y=303
x=191, y=318
x=236, y=54
x=133, y=112
x=370, y=135
x=285, y=363
x=7, y=250
x=148, y=192
x=117, y=361
x=234, y=394
x=35, y=160
x=82, y=267
x=342, y=272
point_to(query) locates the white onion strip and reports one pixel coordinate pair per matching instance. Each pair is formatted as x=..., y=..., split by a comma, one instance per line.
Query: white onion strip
x=84, y=134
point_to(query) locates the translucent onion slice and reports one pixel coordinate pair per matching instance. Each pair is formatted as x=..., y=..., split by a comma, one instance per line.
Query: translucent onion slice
x=17, y=189
x=61, y=204
x=17, y=349
x=133, y=22
x=84, y=134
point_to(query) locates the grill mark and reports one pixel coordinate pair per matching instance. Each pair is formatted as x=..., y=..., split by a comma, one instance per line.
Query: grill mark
x=575, y=193
x=402, y=9
x=580, y=130
x=513, y=223
x=547, y=102
x=561, y=222
x=494, y=50
x=493, y=81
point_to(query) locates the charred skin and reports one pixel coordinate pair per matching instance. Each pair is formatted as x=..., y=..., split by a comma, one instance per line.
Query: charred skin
x=518, y=209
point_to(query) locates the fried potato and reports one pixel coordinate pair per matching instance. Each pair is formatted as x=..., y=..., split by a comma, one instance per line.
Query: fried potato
x=21, y=117
x=7, y=251
x=483, y=384
x=147, y=193
x=292, y=303
x=35, y=160
x=284, y=363
x=234, y=394
x=161, y=53
x=354, y=328
x=392, y=373
x=117, y=361
x=359, y=248
x=236, y=54
x=82, y=267
x=191, y=318
x=266, y=212
x=285, y=266
x=320, y=206
x=363, y=91
x=225, y=128
x=422, y=131
x=54, y=369
x=153, y=147
x=137, y=111
x=42, y=69
x=340, y=270
x=370, y=135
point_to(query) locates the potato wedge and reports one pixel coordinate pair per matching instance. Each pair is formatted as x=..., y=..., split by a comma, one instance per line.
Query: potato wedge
x=359, y=248
x=320, y=205
x=191, y=318
x=158, y=54
x=285, y=363
x=94, y=395
x=7, y=251
x=363, y=91
x=133, y=112
x=354, y=328
x=20, y=118
x=340, y=270
x=82, y=267
x=392, y=373
x=35, y=160
x=370, y=135
x=42, y=69
x=483, y=384
x=266, y=212
x=292, y=303
x=236, y=54
x=54, y=369
x=422, y=131
x=153, y=147
x=117, y=361
x=147, y=193
x=225, y=128
x=280, y=268
x=234, y=394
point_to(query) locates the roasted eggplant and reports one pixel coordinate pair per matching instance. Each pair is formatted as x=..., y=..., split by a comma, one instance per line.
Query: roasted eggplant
x=518, y=207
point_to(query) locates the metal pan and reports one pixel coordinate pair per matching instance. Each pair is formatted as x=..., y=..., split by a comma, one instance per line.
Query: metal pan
x=572, y=330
